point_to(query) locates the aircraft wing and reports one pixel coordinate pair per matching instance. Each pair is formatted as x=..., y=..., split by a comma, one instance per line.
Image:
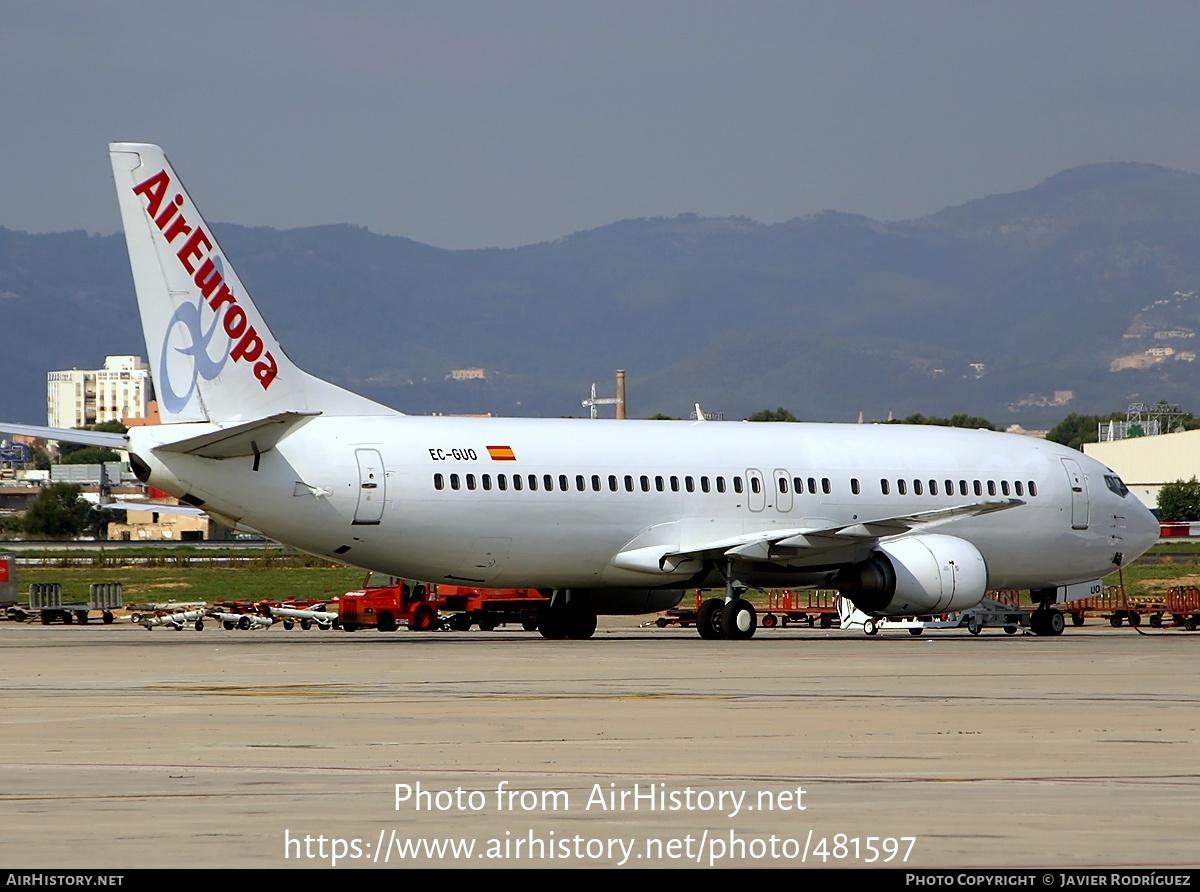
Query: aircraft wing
x=69, y=435
x=782, y=543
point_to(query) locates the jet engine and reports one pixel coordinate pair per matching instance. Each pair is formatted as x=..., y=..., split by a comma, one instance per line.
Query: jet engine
x=916, y=575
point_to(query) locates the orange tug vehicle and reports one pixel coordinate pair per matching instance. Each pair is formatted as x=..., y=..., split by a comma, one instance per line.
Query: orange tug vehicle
x=388, y=602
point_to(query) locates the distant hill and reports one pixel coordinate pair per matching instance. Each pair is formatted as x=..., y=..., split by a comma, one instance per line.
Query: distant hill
x=998, y=307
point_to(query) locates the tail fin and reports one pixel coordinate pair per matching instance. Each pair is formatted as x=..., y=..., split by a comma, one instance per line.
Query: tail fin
x=212, y=356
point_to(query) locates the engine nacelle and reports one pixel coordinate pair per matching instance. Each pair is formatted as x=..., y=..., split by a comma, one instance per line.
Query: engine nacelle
x=634, y=601
x=915, y=576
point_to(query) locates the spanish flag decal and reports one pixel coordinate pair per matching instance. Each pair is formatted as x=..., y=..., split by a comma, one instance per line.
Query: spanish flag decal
x=501, y=453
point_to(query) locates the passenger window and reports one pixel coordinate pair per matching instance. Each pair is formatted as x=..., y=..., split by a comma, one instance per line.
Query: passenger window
x=902, y=487
x=826, y=486
x=517, y=482
x=563, y=485
x=470, y=481
x=645, y=481
x=580, y=483
x=962, y=487
x=950, y=487
x=720, y=484
x=454, y=483
x=487, y=481
x=548, y=482
x=612, y=482
x=690, y=483
x=628, y=483
x=991, y=487
x=502, y=482
x=659, y=483
x=755, y=486
x=533, y=482
x=978, y=488
x=595, y=483
x=674, y=484
x=783, y=484
x=854, y=485
x=916, y=487
x=884, y=486
x=812, y=485
x=704, y=484
x=1020, y=488
x=933, y=487
x=1032, y=489
x=438, y=482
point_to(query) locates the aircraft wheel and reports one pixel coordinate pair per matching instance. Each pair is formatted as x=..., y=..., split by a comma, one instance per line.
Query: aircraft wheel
x=552, y=624
x=708, y=619
x=739, y=620
x=917, y=631
x=871, y=626
x=1055, y=622
x=529, y=624
x=973, y=625
x=424, y=619
x=581, y=625
x=769, y=621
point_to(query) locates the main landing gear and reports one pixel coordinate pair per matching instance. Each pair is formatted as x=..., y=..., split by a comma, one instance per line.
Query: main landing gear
x=1046, y=619
x=568, y=615
x=732, y=617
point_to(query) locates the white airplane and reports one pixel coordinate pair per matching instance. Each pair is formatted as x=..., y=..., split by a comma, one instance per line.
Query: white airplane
x=612, y=517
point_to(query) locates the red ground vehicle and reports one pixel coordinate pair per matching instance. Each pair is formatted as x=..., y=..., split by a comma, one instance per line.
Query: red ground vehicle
x=386, y=602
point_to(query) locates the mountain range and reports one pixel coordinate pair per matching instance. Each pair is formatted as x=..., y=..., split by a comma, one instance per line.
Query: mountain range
x=1079, y=294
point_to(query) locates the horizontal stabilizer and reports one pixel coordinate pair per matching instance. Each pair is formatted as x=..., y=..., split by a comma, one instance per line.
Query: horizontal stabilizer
x=240, y=439
x=69, y=435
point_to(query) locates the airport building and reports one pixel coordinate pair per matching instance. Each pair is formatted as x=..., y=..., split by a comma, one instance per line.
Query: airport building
x=79, y=397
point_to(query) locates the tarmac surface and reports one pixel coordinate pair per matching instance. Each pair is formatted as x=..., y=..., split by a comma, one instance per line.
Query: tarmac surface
x=640, y=748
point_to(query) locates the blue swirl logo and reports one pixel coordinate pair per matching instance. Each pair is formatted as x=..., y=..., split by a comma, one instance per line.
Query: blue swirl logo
x=187, y=321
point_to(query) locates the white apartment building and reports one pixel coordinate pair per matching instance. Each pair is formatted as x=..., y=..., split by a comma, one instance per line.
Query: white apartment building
x=78, y=397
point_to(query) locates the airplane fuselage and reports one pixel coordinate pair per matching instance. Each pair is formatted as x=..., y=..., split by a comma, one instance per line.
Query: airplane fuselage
x=549, y=503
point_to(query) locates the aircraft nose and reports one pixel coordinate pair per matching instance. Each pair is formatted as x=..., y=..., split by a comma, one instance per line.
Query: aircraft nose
x=1142, y=530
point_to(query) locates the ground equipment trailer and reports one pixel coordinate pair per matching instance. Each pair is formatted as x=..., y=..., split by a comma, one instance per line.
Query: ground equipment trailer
x=46, y=603
x=1118, y=609
x=997, y=609
x=1183, y=603
x=810, y=607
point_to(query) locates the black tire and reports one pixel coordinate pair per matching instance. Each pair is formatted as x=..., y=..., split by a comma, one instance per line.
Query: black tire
x=487, y=623
x=826, y=621
x=769, y=621
x=661, y=622
x=244, y=623
x=349, y=627
x=1156, y=620
x=81, y=616
x=552, y=624
x=529, y=624
x=1135, y=619
x=65, y=616
x=708, y=619
x=1116, y=620
x=739, y=620
x=305, y=624
x=460, y=622
x=107, y=617
x=973, y=625
x=917, y=631
x=386, y=622
x=199, y=625
x=1055, y=622
x=581, y=625
x=289, y=624
x=871, y=626
x=44, y=616
x=227, y=625
x=1010, y=630
x=1077, y=618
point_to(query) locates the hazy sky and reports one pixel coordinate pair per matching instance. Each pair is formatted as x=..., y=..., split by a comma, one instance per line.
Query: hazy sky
x=499, y=124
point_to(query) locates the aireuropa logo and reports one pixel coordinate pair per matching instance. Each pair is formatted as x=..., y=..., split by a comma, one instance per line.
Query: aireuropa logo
x=186, y=354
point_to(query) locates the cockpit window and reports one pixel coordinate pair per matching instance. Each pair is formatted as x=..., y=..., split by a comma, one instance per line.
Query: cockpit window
x=1116, y=485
